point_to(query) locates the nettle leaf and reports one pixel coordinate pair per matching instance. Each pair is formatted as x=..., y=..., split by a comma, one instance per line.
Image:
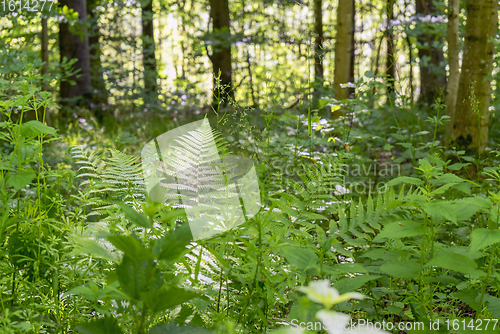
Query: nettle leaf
x=469, y=297
x=20, y=178
x=32, y=129
x=493, y=305
x=405, y=179
x=402, y=269
x=132, y=247
x=92, y=247
x=164, y=299
x=107, y=325
x=173, y=244
x=353, y=283
x=136, y=278
x=469, y=206
x=455, y=262
x=440, y=210
x=399, y=230
x=482, y=238
x=300, y=258
x=134, y=216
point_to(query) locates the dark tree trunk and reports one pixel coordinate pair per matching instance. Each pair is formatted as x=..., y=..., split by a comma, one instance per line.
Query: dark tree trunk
x=318, y=52
x=75, y=47
x=99, y=92
x=432, y=66
x=391, y=60
x=221, y=52
x=351, y=90
x=148, y=53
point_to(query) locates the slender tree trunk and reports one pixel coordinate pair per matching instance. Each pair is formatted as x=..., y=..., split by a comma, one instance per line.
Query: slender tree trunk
x=453, y=61
x=343, y=47
x=148, y=53
x=470, y=122
x=45, y=53
x=45, y=66
x=351, y=90
x=410, y=58
x=75, y=47
x=221, y=52
x=318, y=52
x=430, y=53
x=99, y=92
x=391, y=60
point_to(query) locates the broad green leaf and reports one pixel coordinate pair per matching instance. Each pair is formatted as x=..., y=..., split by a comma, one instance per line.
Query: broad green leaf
x=136, y=278
x=134, y=216
x=92, y=247
x=493, y=305
x=405, y=179
x=300, y=258
x=173, y=244
x=482, y=238
x=32, y=129
x=402, y=269
x=161, y=300
x=353, y=283
x=468, y=206
x=20, y=178
x=399, y=230
x=107, y=325
x=455, y=262
x=131, y=246
x=469, y=296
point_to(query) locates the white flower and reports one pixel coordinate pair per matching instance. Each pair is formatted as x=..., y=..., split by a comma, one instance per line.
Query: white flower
x=340, y=190
x=321, y=292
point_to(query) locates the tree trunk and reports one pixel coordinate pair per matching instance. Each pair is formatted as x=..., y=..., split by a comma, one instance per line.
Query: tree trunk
x=221, y=52
x=453, y=61
x=430, y=53
x=343, y=47
x=45, y=67
x=351, y=90
x=318, y=52
x=75, y=47
x=470, y=122
x=391, y=60
x=99, y=92
x=148, y=53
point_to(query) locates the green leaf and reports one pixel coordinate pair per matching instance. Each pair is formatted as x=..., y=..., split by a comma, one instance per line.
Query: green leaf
x=353, y=283
x=32, y=129
x=399, y=230
x=482, y=238
x=160, y=300
x=402, y=269
x=132, y=247
x=21, y=178
x=493, y=305
x=107, y=325
x=133, y=216
x=136, y=278
x=405, y=179
x=173, y=244
x=300, y=258
x=469, y=297
x=455, y=262
x=92, y=247
x=173, y=328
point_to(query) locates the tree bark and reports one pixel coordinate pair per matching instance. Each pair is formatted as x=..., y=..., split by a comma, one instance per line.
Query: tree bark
x=99, y=92
x=221, y=52
x=453, y=61
x=390, y=60
x=432, y=70
x=351, y=90
x=45, y=53
x=343, y=47
x=470, y=122
x=318, y=52
x=148, y=53
x=75, y=47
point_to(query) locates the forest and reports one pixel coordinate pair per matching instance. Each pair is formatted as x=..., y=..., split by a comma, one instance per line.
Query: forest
x=249, y=166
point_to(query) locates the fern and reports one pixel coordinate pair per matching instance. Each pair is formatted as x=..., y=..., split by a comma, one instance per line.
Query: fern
x=116, y=177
